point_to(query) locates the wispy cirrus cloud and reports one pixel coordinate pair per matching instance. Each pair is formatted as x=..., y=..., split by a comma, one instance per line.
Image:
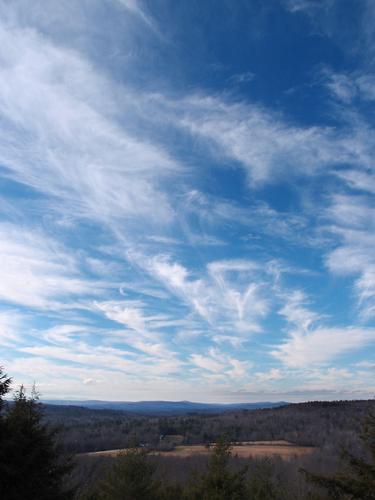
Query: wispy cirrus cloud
x=172, y=217
x=221, y=365
x=230, y=295
x=135, y=7
x=10, y=322
x=348, y=86
x=37, y=271
x=266, y=144
x=307, y=5
x=322, y=345
x=354, y=219
x=65, y=144
x=310, y=342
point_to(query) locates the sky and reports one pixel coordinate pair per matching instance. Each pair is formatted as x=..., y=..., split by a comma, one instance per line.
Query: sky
x=187, y=199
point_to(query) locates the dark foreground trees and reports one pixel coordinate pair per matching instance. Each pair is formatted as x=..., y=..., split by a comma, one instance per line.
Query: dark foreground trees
x=357, y=480
x=133, y=478
x=30, y=465
x=219, y=482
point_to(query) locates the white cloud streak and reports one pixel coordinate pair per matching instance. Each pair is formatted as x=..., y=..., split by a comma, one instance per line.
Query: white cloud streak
x=266, y=145
x=231, y=294
x=354, y=223
x=36, y=271
x=58, y=137
x=310, y=343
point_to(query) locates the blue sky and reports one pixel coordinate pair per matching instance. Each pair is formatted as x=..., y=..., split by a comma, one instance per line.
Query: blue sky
x=187, y=198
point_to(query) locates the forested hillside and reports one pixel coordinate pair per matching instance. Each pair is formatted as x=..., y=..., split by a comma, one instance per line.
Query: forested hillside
x=335, y=429
x=321, y=424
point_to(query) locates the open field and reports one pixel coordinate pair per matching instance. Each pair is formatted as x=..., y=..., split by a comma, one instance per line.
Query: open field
x=254, y=449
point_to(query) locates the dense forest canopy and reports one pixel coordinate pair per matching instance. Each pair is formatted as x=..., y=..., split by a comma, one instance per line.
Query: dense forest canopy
x=313, y=423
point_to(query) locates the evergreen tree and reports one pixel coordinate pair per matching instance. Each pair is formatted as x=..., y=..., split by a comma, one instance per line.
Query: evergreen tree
x=357, y=482
x=261, y=485
x=4, y=389
x=30, y=466
x=219, y=482
x=131, y=478
x=5, y=382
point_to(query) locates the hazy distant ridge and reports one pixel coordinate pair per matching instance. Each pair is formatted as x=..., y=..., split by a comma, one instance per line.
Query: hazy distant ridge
x=167, y=407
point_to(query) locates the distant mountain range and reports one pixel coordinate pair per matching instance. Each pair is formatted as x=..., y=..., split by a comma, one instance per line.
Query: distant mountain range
x=164, y=407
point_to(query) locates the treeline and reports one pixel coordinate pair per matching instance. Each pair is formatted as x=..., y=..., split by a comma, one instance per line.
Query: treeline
x=327, y=425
